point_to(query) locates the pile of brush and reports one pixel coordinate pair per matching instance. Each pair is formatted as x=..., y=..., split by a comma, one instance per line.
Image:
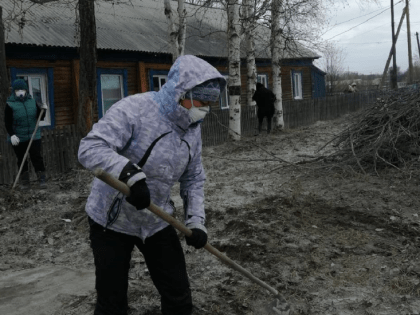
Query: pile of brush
x=385, y=134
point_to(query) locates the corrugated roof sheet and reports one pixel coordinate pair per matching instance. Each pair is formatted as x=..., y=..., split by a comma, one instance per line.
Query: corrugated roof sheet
x=138, y=25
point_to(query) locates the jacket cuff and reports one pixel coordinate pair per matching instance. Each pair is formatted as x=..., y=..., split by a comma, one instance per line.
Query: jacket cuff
x=195, y=225
x=135, y=178
x=131, y=173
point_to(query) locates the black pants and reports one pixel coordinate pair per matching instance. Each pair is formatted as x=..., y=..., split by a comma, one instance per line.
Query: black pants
x=35, y=153
x=260, y=121
x=164, y=259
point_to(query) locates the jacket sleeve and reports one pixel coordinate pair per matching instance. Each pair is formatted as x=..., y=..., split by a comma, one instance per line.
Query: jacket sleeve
x=99, y=149
x=8, y=120
x=192, y=191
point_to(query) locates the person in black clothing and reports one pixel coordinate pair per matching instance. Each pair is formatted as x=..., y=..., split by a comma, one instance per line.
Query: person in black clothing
x=20, y=117
x=265, y=104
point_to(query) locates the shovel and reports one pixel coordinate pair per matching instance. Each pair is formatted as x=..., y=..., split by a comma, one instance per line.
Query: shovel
x=278, y=307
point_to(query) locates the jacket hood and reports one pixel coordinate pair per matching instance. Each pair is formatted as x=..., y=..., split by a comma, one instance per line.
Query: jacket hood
x=187, y=72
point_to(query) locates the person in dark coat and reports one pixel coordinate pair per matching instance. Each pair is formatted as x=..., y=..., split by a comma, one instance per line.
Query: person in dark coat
x=265, y=104
x=20, y=117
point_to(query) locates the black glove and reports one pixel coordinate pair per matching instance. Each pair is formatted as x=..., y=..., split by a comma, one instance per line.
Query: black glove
x=198, y=239
x=139, y=195
x=134, y=177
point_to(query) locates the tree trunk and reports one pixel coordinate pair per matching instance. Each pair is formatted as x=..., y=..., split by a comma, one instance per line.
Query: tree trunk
x=182, y=32
x=250, y=51
x=173, y=31
x=87, y=81
x=276, y=58
x=4, y=78
x=234, y=71
x=177, y=33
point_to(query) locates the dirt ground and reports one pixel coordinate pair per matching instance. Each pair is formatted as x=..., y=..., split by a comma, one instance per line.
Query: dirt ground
x=332, y=241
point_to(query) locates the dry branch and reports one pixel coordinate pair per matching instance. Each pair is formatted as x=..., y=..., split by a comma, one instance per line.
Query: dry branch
x=385, y=134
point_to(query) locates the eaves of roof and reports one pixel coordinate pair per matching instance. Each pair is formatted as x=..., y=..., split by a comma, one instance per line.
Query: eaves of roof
x=138, y=25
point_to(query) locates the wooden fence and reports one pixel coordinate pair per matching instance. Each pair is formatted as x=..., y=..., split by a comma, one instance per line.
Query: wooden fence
x=295, y=113
x=60, y=145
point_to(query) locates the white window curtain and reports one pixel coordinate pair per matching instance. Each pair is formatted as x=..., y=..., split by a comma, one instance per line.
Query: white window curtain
x=262, y=78
x=224, y=96
x=159, y=81
x=111, y=89
x=297, y=86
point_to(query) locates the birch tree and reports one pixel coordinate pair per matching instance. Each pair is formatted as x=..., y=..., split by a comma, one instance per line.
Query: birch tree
x=177, y=31
x=276, y=46
x=249, y=29
x=234, y=84
x=332, y=62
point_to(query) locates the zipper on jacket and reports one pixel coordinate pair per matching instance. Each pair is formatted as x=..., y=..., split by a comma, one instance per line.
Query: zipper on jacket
x=27, y=119
x=189, y=150
x=116, y=204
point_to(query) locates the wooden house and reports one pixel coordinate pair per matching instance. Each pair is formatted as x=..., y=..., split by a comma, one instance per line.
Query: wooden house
x=132, y=52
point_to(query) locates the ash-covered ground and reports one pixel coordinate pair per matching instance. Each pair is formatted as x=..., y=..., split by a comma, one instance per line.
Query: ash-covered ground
x=331, y=240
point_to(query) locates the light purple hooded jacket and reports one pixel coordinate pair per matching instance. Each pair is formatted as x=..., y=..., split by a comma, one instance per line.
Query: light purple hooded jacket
x=156, y=122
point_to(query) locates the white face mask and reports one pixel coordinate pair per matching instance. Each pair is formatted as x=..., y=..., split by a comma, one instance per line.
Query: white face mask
x=197, y=114
x=20, y=93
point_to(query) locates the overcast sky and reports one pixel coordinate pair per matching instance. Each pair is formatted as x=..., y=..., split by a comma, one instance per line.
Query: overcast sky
x=367, y=45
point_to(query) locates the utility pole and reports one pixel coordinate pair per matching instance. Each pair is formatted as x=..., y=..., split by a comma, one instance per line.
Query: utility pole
x=410, y=55
x=418, y=44
x=394, y=57
x=391, y=52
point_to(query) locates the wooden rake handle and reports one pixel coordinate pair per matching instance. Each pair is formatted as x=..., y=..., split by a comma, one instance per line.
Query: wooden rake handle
x=123, y=188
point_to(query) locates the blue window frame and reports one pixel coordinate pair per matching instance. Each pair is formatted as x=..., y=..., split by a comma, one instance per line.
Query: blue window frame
x=41, y=86
x=111, y=87
x=157, y=79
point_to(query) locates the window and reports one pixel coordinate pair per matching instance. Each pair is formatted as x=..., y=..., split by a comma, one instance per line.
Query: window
x=297, y=85
x=112, y=87
x=224, y=96
x=40, y=84
x=262, y=78
x=159, y=81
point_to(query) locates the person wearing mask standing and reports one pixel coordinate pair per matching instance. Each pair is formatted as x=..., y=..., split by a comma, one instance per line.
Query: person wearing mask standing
x=20, y=118
x=150, y=141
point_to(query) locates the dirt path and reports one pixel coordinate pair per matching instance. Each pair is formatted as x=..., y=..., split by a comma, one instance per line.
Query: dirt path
x=332, y=242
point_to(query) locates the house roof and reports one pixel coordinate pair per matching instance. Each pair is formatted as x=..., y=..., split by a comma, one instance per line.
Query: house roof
x=137, y=25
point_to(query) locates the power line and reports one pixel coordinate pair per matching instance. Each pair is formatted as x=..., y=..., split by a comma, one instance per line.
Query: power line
x=353, y=19
x=364, y=21
x=366, y=43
